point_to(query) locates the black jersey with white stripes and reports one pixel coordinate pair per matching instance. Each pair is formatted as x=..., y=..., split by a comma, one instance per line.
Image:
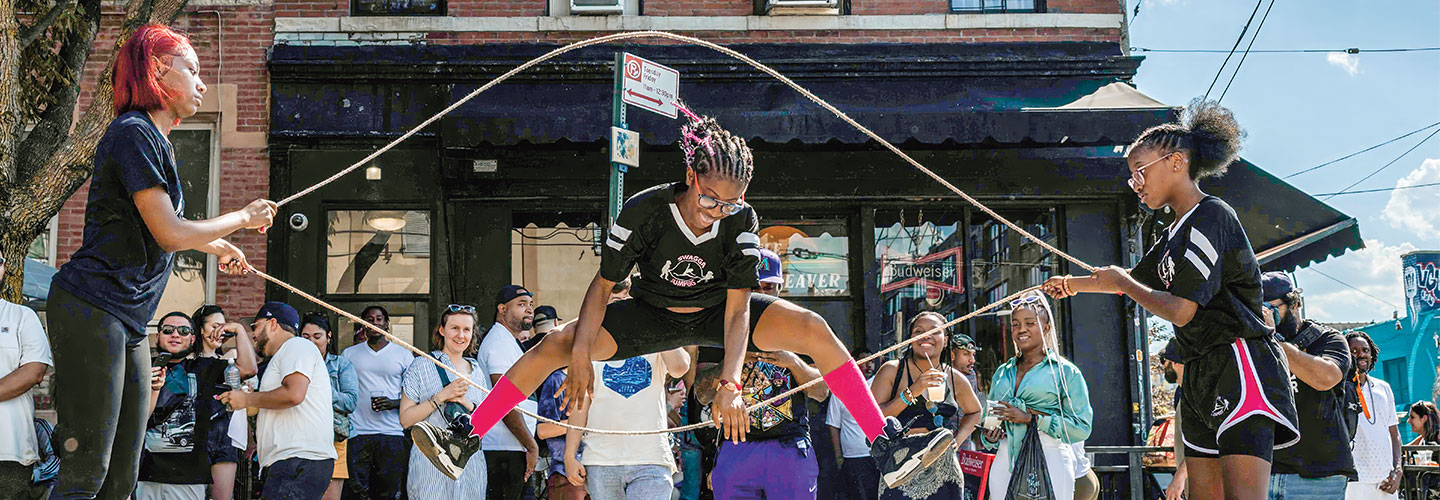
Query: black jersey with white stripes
x=1206, y=257
x=679, y=268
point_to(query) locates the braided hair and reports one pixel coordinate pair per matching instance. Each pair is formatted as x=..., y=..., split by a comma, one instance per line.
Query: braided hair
x=709, y=148
x=1208, y=134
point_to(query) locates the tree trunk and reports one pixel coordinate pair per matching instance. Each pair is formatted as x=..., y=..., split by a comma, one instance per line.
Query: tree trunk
x=27, y=206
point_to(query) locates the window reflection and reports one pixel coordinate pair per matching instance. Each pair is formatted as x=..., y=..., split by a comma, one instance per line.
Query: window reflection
x=378, y=252
x=814, y=255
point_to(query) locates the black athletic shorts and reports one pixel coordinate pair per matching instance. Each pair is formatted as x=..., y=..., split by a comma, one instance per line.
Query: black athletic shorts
x=1237, y=401
x=641, y=328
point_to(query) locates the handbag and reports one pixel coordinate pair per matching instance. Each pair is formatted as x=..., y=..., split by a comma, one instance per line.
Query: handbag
x=1030, y=478
x=1162, y=436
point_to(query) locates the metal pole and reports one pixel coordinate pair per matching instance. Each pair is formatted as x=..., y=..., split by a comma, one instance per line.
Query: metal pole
x=617, y=170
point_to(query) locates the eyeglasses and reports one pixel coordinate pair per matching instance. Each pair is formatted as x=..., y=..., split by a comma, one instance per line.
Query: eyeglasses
x=183, y=331
x=1137, y=179
x=2, y=261
x=708, y=202
x=461, y=308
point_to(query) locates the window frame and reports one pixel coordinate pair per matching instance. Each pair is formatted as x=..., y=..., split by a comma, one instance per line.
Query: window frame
x=442, y=11
x=212, y=199
x=1038, y=9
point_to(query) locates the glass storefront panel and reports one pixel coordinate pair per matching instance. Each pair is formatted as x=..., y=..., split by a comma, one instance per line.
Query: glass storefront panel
x=814, y=255
x=920, y=267
x=377, y=252
x=189, y=286
x=556, y=263
x=1005, y=262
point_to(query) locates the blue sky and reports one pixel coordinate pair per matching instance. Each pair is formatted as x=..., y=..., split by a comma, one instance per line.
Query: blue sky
x=1302, y=110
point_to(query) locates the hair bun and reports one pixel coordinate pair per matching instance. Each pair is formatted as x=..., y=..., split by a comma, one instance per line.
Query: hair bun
x=1215, y=135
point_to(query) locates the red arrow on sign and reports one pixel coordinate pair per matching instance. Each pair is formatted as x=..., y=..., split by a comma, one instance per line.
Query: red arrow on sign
x=645, y=97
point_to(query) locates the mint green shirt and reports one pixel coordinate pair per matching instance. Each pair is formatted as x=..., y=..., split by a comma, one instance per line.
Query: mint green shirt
x=1041, y=390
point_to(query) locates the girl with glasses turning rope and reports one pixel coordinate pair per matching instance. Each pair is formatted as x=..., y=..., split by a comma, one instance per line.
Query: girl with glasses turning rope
x=1202, y=276
x=696, y=248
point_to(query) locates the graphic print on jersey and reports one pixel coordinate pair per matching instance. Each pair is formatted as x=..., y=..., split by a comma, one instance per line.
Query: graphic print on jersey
x=687, y=271
x=763, y=381
x=629, y=378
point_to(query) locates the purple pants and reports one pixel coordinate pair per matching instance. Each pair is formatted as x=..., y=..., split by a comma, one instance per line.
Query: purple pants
x=769, y=469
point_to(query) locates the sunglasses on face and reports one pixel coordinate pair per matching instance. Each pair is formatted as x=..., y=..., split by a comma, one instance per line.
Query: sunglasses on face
x=1137, y=179
x=461, y=308
x=183, y=331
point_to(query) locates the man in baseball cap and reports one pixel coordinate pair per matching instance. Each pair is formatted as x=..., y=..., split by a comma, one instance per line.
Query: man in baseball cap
x=545, y=321
x=771, y=277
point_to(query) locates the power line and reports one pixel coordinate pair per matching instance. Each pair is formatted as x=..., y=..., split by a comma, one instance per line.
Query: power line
x=1243, y=31
x=1381, y=190
x=1352, y=287
x=1351, y=50
x=1387, y=165
x=1240, y=64
x=1317, y=167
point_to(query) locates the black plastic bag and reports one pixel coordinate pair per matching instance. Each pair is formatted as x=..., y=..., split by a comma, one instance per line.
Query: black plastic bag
x=1030, y=478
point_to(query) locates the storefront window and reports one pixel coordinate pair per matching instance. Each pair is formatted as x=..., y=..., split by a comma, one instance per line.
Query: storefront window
x=814, y=255
x=920, y=267
x=1008, y=263
x=397, y=7
x=378, y=252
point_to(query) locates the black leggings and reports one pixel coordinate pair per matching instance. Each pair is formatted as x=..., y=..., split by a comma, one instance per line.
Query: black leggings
x=102, y=399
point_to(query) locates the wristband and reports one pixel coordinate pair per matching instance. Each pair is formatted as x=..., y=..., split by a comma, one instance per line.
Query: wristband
x=905, y=397
x=735, y=385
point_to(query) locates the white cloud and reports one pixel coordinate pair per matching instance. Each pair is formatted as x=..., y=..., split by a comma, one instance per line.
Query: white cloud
x=1415, y=210
x=1374, y=269
x=1349, y=62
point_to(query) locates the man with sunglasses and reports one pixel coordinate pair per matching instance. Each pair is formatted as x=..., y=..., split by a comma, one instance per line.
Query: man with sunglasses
x=24, y=357
x=174, y=462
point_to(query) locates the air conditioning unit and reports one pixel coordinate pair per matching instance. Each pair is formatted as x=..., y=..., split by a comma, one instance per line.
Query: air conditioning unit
x=802, y=7
x=597, y=7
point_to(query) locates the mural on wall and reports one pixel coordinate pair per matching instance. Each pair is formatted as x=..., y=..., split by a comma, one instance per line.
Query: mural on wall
x=1422, y=282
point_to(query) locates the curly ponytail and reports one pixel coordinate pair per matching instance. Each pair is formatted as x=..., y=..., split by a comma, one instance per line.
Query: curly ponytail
x=1208, y=134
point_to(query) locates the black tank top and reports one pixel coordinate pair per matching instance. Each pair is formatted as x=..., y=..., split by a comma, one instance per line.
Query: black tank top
x=919, y=412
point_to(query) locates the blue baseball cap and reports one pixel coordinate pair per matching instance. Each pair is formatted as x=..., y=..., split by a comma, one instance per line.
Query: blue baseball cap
x=280, y=312
x=769, y=267
x=1275, y=284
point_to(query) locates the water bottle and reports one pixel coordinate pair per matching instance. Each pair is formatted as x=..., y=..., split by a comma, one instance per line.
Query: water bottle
x=232, y=379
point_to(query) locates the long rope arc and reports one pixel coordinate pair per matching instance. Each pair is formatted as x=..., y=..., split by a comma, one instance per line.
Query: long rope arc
x=718, y=48
x=698, y=425
x=724, y=50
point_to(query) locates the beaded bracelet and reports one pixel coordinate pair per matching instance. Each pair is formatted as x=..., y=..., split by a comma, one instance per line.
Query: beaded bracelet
x=905, y=398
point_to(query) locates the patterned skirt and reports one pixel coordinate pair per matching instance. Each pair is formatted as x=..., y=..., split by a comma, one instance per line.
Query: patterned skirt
x=941, y=481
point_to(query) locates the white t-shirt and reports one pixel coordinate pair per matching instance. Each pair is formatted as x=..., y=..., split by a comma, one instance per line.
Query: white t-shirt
x=305, y=430
x=498, y=352
x=22, y=341
x=380, y=374
x=852, y=440
x=630, y=396
x=1374, y=455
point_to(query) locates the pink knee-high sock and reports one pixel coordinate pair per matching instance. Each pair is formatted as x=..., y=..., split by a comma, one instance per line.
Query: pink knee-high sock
x=849, y=387
x=497, y=404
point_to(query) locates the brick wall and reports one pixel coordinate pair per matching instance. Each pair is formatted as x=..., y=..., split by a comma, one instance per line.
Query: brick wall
x=244, y=172
x=521, y=8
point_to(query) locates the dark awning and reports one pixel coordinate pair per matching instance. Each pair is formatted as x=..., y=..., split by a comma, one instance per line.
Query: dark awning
x=1288, y=228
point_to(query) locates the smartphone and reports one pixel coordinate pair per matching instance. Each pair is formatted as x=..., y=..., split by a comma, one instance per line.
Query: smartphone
x=162, y=359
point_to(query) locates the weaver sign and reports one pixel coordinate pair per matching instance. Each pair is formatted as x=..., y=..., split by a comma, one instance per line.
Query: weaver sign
x=650, y=86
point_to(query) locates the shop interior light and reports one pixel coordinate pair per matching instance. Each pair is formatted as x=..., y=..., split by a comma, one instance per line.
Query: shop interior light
x=385, y=220
x=372, y=173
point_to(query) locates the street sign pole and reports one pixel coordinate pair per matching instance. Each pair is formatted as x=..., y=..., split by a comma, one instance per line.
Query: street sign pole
x=617, y=169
